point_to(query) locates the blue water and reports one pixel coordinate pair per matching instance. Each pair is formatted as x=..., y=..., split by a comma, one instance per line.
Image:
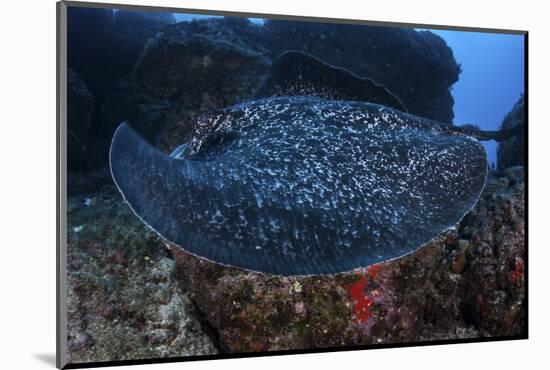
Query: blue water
x=491, y=81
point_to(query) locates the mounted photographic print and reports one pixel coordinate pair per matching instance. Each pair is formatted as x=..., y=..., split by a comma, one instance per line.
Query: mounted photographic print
x=239, y=184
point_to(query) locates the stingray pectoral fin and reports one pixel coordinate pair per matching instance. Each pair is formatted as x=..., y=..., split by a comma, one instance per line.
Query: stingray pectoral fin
x=185, y=201
x=158, y=188
x=298, y=73
x=191, y=203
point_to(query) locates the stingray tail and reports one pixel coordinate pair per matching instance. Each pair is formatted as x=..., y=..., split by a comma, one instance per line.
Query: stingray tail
x=498, y=136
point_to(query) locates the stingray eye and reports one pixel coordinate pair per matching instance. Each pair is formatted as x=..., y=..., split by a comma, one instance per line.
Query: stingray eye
x=214, y=146
x=222, y=138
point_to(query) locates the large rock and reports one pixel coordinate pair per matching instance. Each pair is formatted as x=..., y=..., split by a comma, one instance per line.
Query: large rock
x=80, y=108
x=195, y=67
x=103, y=48
x=104, y=45
x=511, y=152
x=129, y=102
x=160, y=76
x=131, y=31
x=189, y=69
x=417, y=66
x=468, y=283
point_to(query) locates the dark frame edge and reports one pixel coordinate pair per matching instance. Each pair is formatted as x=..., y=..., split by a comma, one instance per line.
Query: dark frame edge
x=61, y=176
x=223, y=356
x=289, y=17
x=526, y=172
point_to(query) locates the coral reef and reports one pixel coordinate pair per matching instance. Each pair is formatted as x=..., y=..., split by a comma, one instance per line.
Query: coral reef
x=511, y=152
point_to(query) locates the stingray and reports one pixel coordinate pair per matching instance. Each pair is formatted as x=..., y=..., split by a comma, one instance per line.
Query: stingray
x=322, y=172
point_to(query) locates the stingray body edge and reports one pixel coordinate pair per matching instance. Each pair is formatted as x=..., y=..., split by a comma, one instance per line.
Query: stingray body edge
x=303, y=185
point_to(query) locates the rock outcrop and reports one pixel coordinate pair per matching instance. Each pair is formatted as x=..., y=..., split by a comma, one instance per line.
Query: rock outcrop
x=417, y=66
x=131, y=31
x=194, y=67
x=160, y=76
x=511, y=152
x=103, y=47
x=469, y=283
x=189, y=69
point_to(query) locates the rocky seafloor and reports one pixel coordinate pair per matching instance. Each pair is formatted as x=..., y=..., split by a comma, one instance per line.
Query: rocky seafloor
x=123, y=301
x=133, y=296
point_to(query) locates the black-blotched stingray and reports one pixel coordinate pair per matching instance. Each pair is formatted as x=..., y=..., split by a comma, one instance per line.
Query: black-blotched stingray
x=297, y=185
